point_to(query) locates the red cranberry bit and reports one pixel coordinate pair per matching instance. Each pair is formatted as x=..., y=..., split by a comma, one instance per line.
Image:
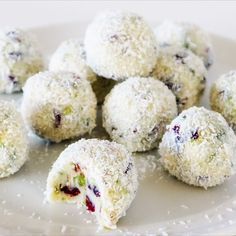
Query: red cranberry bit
x=89, y=204
x=176, y=129
x=69, y=190
x=57, y=117
x=128, y=167
x=195, y=135
x=76, y=168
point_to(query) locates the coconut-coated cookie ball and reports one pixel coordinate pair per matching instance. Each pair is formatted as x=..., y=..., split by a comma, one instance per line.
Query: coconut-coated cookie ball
x=59, y=105
x=183, y=73
x=223, y=97
x=71, y=56
x=120, y=45
x=198, y=148
x=19, y=59
x=97, y=174
x=13, y=140
x=186, y=35
x=136, y=112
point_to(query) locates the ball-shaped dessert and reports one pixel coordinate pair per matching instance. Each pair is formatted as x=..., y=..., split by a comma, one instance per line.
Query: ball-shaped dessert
x=183, y=73
x=186, y=35
x=13, y=140
x=71, y=56
x=59, y=105
x=120, y=45
x=19, y=59
x=223, y=97
x=100, y=175
x=136, y=112
x=198, y=148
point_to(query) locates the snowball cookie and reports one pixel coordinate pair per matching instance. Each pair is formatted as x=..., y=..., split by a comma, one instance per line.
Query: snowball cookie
x=71, y=56
x=98, y=174
x=19, y=59
x=13, y=140
x=59, y=105
x=198, y=148
x=136, y=112
x=186, y=35
x=120, y=45
x=223, y=97
x=183, y=73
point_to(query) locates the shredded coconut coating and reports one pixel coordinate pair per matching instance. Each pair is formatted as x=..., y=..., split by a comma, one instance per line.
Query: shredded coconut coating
x=59, y=105
x=13, y=140
x=120, y=45
x=223, y=97
x=199, y=148
x=111, y=169
x=19, y=59
x=183, y=73
x=136, y=112
x=71, y=56
x=186, y=35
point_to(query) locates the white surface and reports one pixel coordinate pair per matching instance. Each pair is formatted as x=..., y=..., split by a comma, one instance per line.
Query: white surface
x=163, y=204
x=216, y=16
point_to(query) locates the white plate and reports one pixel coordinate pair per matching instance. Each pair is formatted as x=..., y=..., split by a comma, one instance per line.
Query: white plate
x=163, y=206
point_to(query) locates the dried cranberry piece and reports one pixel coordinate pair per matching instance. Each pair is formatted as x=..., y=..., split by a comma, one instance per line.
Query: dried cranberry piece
x=12, y=78
x=69, y=190
x=128, y=167
x=76, y=167
x=89, y=204
x=176, y=129
x=95, y=190
x=57, y=117
x=195, y=135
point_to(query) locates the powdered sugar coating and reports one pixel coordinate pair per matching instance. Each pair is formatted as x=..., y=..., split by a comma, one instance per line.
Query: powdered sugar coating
x=120, y=45
x=223, y=97
x=111, y=168
x=19, y=59
x=183, y=73
x=136, y=112
x=198, y=148
x=59, y=105
x=186, y=35
x=13, y=140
